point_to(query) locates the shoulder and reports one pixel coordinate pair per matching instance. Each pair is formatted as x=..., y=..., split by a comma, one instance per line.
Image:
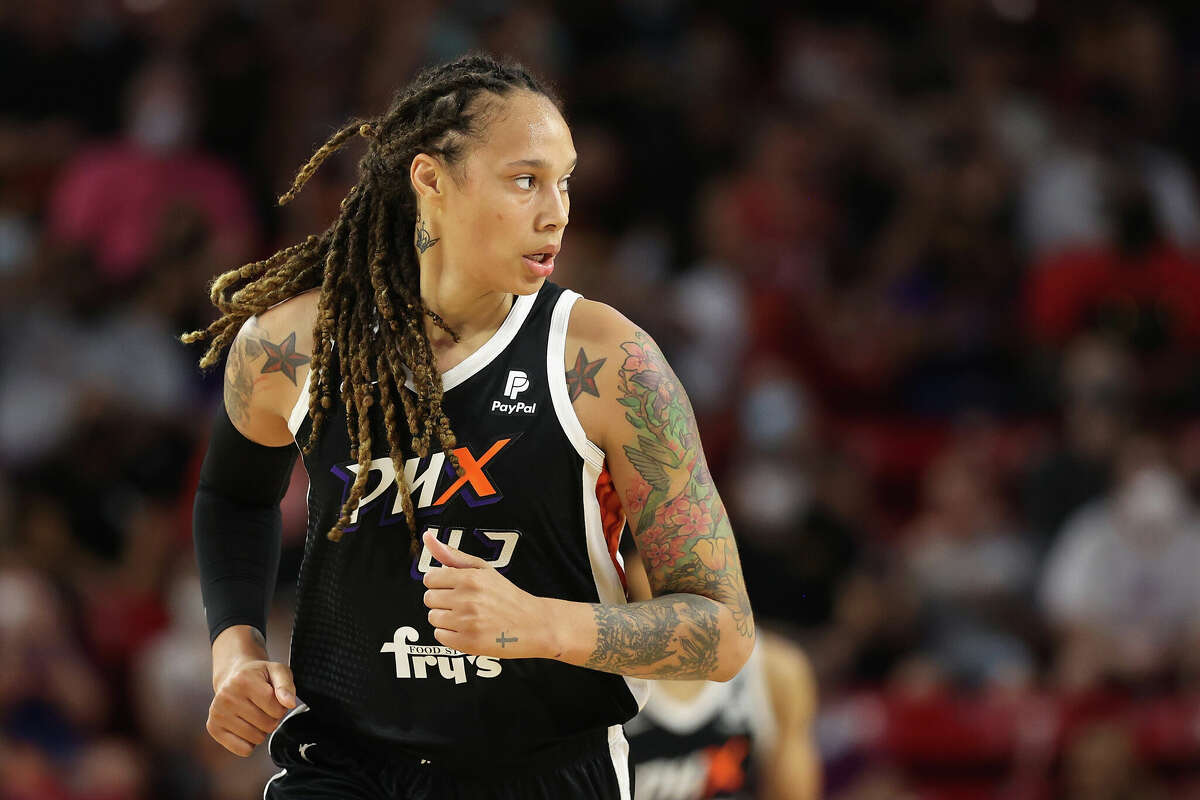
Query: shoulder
x=791, y=684
x=598, y=323
x=299, y=312
x=287, y=324
x=605, y=356
x=267, y=366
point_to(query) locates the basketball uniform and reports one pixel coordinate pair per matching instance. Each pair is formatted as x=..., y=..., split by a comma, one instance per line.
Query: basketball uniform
x=710, y=746
x=537, y=502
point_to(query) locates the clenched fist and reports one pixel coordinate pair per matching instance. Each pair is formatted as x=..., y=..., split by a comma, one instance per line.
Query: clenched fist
x=251, y=695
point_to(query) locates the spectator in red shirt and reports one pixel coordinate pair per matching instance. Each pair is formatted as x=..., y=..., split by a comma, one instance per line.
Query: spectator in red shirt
x=1141, y=287
x=113, y=197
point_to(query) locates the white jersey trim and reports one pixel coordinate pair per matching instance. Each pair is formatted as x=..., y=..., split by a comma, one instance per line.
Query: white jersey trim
x=682, y=717
x=618, y=750
x=556, y=376
x=299, y=709
x=491, y=348
x=456, y=374
x=604, y=572
x=300, y=410
x=272, y=779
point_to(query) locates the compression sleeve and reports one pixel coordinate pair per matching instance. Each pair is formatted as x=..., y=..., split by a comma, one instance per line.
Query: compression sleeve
x=236, y=525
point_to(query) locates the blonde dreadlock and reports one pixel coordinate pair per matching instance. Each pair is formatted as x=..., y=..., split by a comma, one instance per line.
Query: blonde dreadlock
x=370, y=311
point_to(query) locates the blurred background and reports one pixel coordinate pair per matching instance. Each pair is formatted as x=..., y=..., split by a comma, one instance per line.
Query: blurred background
x=928, y=269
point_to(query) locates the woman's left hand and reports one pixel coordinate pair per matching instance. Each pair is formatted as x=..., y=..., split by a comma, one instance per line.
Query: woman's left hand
x=475, y=609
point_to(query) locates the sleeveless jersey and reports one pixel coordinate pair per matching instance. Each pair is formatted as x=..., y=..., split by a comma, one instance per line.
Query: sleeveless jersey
x=535, y=500
x=710, y=746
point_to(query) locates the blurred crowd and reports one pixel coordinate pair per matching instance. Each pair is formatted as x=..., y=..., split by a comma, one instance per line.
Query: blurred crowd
x=928, y=269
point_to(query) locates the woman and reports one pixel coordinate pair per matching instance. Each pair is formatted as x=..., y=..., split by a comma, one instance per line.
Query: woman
x=474, y=436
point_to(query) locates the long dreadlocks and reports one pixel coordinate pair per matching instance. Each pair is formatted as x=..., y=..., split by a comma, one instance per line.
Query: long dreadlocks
x=370, y=310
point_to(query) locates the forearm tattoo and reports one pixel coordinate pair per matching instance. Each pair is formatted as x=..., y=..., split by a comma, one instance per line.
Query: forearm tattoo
x=674, y=636
x=675, y=512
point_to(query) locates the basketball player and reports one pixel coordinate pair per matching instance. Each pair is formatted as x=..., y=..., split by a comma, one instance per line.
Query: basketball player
x=748, y=738
x=474, y=437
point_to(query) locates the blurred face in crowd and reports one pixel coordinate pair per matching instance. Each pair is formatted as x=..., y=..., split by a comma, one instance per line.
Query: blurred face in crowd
x=1097, y=376
x=508, y=198
x=1152, y=506
x=1151, y=500
x=958, y=494
x=160, y=112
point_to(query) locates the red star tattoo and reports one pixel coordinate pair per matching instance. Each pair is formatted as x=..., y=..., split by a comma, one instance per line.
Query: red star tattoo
x=283, y=357
x=582, y=377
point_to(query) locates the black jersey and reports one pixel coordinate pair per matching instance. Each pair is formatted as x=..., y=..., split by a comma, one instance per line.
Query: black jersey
x=535, y=500
x=710, y=746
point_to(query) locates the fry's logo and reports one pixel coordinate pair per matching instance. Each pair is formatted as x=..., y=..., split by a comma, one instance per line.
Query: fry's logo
x=414, y=660
x=424, y=476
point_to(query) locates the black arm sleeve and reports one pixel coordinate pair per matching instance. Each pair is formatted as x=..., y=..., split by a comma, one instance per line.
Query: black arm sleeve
x=236, y=525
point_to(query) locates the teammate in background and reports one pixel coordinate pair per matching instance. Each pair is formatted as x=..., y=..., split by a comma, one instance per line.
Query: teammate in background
x=474, y=437
x=748, y=738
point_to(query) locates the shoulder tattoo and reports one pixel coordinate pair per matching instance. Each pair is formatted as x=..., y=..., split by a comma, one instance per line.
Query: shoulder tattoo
x=581, y=378
x=243, y=370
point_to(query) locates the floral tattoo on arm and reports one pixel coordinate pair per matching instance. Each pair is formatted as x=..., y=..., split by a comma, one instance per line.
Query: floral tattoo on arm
x=681, y=529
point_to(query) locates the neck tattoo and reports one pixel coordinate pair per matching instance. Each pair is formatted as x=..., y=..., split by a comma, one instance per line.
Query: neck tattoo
x=424, y=242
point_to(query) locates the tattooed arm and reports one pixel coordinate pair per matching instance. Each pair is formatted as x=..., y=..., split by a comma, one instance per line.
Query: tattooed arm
x=699, y=623
x=266, y=368
x=236, y=521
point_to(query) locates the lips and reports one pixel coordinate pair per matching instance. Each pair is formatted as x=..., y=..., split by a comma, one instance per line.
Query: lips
x=541, y=262
x=541, y=268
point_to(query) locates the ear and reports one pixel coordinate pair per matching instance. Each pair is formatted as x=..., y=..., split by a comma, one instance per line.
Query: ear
x=428, y=177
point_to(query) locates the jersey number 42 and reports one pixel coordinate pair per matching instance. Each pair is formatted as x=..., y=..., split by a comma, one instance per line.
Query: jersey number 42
x=501, y=543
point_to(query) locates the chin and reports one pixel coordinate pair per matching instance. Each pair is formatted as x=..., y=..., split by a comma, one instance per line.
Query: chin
x=529, y=284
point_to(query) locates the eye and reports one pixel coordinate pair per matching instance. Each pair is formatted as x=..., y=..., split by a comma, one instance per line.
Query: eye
x=565, y=184
x=525, y=178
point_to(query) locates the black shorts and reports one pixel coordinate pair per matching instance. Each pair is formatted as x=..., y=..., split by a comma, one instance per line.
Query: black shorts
x=317, y=764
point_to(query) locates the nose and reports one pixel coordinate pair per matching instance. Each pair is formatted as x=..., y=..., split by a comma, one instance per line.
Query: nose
x=555, y=210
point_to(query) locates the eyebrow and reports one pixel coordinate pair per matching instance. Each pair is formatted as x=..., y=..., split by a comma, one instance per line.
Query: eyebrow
x=537, y=163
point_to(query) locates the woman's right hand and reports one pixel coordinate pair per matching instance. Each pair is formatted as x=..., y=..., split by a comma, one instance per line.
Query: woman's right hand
x=250, y=693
